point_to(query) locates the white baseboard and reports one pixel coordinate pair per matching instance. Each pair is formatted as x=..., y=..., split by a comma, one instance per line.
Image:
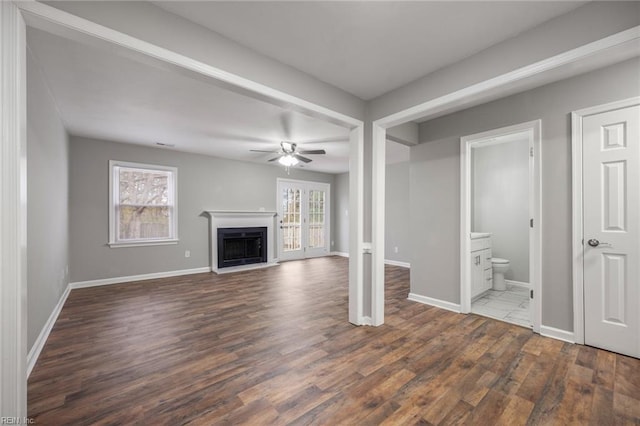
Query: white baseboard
x=35, y=350
x=386, y=261
x=397, y=263
x=556, y=333
x=518, y=283
x=366, y=321
x=152, y=276
x=454, y=307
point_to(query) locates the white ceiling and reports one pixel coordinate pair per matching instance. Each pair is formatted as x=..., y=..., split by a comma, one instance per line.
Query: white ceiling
x=368, y=48
x=102, y=95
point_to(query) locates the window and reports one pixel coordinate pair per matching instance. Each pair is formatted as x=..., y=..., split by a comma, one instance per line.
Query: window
x=142, y=207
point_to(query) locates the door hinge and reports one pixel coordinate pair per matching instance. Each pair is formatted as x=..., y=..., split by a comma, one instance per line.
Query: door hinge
x=532, y=294
x=530, y=223
x=531, y=152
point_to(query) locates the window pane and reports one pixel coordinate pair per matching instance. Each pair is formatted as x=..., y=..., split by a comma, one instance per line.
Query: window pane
x=144, y=187
x=148, y=222
x=316, y=219
x=291, y=236
x=143, y=205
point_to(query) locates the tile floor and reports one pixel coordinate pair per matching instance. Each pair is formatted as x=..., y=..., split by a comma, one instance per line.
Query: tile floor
x=511, y=305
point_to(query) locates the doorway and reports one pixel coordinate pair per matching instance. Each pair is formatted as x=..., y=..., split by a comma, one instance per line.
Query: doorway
x=303, y=220
x=606, y=231
x=500, y=224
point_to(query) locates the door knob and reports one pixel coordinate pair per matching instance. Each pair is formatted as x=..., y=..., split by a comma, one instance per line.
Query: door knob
x=595, y=243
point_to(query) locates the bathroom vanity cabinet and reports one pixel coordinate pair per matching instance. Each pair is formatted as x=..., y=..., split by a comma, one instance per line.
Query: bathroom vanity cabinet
x=481, y=272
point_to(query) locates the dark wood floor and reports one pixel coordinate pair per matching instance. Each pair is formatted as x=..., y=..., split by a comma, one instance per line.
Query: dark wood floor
x=274, y=347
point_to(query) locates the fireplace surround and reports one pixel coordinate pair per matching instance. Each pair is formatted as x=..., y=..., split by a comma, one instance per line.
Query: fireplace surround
x=225, y=219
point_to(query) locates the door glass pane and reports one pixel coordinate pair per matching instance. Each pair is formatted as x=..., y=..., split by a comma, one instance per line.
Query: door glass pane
x=316, y=219
x=291, y=235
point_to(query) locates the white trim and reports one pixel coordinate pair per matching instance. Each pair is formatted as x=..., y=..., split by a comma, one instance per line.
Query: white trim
x=518, y=284
x=386, y=261
x=13, y=215
x=139, y=243
x=533, y=129
x=449, y=306
x=38, y=345
x=378, y=223
x=511, y=78
x=397, y=263
x=356, y=218
x=366, y=320
x=556, y=333
x=141, y=277
x=577, y=207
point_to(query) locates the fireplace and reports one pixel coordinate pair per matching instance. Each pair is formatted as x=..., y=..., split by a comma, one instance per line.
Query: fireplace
x=241, y=246
x=239, y=249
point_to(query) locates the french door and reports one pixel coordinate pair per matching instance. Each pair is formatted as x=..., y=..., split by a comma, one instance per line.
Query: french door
x=303, y=219
x=611, y=234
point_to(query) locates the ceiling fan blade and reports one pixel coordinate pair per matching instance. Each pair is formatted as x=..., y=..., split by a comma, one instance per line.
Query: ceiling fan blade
x=312, y=151
x=262, y=150
x=275, y=158
x=303, y=159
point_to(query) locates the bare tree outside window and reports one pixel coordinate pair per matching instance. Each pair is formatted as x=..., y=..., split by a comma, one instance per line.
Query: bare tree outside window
x=143, y=204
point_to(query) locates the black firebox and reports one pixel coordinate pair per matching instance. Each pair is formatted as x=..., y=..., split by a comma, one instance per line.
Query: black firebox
x=241, y=246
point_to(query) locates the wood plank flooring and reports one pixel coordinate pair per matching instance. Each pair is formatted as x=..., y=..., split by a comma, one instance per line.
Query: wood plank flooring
x=274, y=347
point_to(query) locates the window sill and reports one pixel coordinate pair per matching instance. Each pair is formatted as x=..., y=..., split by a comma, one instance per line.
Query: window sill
x=142, y=243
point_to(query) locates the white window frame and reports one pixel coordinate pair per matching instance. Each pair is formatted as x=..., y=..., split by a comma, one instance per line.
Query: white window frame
x=114, y=195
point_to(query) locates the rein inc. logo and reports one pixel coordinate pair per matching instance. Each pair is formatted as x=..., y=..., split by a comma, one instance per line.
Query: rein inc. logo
x=16, y=421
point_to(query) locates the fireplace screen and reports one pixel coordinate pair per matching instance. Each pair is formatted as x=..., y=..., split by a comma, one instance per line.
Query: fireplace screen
x=241, y=246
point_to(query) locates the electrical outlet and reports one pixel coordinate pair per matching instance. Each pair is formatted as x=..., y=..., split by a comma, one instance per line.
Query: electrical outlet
x=395, y=249
x=332, y=243
x=187, y=253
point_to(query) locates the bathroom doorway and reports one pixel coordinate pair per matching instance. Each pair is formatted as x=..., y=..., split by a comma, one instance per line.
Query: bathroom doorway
x=500, y=224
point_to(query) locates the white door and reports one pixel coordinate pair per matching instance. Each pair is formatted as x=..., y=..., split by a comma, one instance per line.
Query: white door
x=302, y=219
x=611, y=198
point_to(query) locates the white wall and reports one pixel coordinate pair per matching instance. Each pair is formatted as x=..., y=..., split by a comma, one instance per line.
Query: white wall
x=204, y=183
x=47, y=200
x=501, y=202
x=435, y=183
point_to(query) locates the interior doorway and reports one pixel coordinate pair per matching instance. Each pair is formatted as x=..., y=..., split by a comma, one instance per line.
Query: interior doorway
x=500, y=224
x=304, y=226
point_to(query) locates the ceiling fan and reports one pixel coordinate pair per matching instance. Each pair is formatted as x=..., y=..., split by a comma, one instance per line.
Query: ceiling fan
x=289, y=155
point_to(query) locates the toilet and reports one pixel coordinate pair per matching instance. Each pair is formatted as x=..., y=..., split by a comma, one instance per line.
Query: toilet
x=500, y=267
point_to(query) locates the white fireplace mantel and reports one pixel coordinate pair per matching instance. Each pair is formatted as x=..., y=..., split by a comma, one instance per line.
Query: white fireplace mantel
x=242, y=219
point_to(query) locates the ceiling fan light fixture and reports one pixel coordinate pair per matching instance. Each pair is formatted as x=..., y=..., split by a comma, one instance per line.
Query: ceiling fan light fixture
x=288, y=160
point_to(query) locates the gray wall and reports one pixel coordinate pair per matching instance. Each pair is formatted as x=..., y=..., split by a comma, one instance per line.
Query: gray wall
x=396, y=221
x=501, y=202
x=396, y=212
x=435, y=183
x=204, y=183
x=341, y=224
x=47, y=201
